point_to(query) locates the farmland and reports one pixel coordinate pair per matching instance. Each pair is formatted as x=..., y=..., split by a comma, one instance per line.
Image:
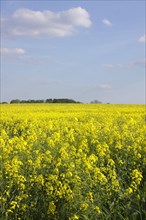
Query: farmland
x=73, y=161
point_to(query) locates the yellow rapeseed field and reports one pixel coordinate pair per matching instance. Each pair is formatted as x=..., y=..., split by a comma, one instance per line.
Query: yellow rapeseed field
x=73, y=161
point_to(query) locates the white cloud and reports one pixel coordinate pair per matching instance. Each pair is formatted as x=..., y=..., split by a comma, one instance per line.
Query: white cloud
x=104, y=86
x=106, y=22
x=12, y=51
x=142, y=39
x=26, y=22
x=19, y=54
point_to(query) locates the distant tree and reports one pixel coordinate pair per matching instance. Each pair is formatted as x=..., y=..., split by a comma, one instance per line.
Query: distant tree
x=64, y=101
x=30, y=101
x=3, y=102
x=15, y=101
x=23, y=101
x=44, y=101
x=49, y=100
x=40, y=101
x=96, y=102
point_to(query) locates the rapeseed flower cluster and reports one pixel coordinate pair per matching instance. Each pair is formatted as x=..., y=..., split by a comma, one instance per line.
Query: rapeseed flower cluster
x=71, y=162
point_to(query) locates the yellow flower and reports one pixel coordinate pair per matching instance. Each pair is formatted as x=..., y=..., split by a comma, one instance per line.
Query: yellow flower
x=13, y=204
x=128, y=191
x=52, y=207
x=97, y=209
x=136, y=176
x=84, y=206
x=69, y=174
x=75, y=217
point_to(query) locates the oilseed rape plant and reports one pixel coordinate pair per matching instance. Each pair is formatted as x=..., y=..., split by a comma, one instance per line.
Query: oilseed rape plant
x=73, y=162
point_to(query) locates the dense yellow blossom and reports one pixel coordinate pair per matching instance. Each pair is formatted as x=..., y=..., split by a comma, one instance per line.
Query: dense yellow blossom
x=72, y=161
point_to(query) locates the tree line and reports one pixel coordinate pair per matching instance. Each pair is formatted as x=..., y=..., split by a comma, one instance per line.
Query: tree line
x=63, y=100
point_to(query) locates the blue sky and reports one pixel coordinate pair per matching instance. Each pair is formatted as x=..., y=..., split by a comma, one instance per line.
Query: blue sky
x=83, y=50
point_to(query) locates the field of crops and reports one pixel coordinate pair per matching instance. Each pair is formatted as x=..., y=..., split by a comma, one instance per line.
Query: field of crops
x=73, y=162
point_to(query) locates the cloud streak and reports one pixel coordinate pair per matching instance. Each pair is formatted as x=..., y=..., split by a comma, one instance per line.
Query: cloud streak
x=106, y=22
x=104, y=86
x=142, y=39
x=12, y=51
x=133, y=64
x=26, y=22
